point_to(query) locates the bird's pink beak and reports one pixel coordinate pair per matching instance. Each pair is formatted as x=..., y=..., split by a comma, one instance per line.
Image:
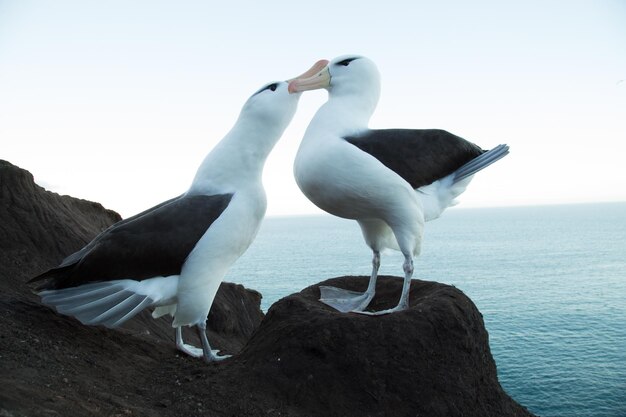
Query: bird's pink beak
x=316, y=77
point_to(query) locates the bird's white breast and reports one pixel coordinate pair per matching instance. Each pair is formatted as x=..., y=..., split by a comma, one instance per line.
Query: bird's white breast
x=221, y=245
x=347, y=182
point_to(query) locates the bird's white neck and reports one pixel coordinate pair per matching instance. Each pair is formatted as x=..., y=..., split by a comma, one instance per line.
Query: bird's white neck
x=342, y=114
x=238, y=159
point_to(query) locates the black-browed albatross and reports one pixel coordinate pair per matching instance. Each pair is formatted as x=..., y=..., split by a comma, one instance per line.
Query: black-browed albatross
x=174, y=256
x=390, y=181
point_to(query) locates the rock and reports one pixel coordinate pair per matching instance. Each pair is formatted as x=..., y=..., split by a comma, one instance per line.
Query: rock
x=38, y=228
x=431, y=360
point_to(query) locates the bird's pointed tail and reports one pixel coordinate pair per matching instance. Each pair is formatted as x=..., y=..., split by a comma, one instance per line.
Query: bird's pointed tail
x=480, y=162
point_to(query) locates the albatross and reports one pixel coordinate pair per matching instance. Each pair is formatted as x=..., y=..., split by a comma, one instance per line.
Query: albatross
x=391, y=181
x=174, y=256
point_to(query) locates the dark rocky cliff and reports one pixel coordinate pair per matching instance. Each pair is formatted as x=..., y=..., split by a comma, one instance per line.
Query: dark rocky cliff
x=38, y=228
x=303, y=359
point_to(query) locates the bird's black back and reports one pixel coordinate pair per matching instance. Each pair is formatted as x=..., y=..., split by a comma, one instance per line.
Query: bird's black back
x=420, y=156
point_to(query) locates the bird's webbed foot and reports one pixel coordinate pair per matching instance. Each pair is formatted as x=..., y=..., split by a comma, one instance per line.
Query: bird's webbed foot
x=212, y=355
x=345, y=300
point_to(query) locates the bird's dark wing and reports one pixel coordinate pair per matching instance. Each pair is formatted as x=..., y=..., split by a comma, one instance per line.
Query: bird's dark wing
x=77, y=256
x=418, y=156
x=153, y=243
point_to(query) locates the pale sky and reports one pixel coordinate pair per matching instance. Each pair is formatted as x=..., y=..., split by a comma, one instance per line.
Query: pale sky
x=119, y=101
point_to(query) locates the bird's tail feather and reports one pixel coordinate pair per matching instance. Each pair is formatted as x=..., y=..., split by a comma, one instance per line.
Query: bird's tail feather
x=441, y=194
x=481, y=162
x=104, y=303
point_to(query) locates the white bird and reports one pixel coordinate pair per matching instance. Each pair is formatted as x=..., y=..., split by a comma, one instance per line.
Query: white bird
x=390, y=181
x=174, y=256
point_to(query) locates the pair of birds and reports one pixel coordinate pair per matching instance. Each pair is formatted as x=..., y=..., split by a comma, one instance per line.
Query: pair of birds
x=174, y=256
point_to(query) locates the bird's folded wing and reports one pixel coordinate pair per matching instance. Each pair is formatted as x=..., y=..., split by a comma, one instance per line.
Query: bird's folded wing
x=153, y=243
x=420, y=156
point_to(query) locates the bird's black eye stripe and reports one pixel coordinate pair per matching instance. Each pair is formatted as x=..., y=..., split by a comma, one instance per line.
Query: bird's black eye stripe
x=346, y=62
x=271, y=87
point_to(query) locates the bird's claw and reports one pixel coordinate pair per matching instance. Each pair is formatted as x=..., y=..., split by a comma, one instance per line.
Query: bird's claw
x=214, y=357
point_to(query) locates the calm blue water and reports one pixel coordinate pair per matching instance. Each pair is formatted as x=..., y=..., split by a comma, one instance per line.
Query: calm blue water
x=550, y=282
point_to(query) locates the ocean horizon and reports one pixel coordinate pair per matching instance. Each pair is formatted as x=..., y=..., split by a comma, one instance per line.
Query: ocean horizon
x=550, y=282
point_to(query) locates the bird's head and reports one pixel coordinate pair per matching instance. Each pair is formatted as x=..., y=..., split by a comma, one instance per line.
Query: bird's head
x=345, y=76
x=273, y=104
x=342, y=74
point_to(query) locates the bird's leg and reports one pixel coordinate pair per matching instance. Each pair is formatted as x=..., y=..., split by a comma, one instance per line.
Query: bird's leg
x=210, y=355
x=352, y=301
x=403, y=304
x=371, y=287
x=183, y=347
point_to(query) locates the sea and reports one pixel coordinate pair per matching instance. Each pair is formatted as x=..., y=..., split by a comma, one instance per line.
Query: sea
x=550, y=282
